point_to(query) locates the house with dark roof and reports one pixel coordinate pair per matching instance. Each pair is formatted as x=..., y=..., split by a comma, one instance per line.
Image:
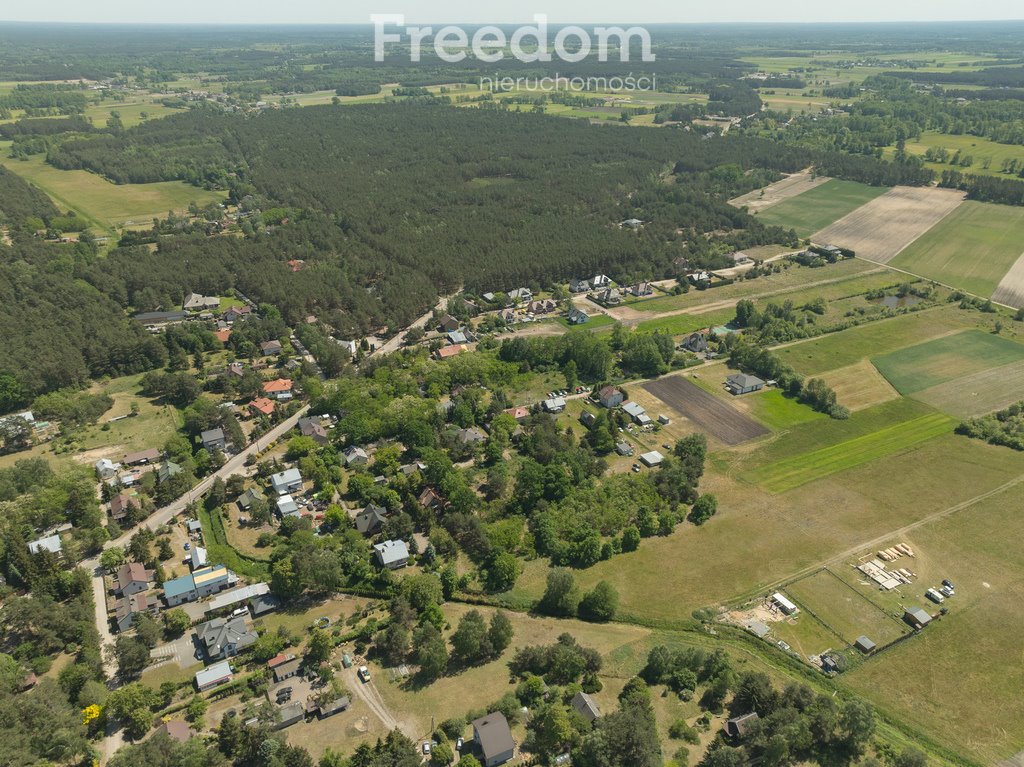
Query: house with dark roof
x=610, y=397
x=270, y=348
x=132, y=578
x=588, y=419
x=471, y=436
x=448, y=324
x=312, y=427
x=336, y=706
x=585, y=706
x=917, y=617
x=741, y=383
x=430, y=499
x=175, y=729
x=738, y=726
x=130, y=606
x=213, y=439
x=167, y=471
x=695, y=342
x=142, y=457
x=249, y=497
x=494, y=738
x=120, y=506
x=225, y=637
x=579, y=286
x=286, y=669
x=371, y=520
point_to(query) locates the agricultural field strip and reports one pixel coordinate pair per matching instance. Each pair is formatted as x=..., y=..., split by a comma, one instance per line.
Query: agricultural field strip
x=791, y=186
x=979, y=393
x=821, y=206
x=1010, y=290
x=723, y=422
x=880, y=229
x=799, y=470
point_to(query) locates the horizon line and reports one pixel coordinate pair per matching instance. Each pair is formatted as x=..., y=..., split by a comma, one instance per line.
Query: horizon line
x=369, y=24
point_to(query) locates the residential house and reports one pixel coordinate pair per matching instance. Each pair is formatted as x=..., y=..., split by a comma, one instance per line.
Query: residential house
x=634, y=411
x=681, y=265
x=197, y=302
x=130, y=606
x=652, y=459
x=249, y=497
x=50, y=544
x=350, y=347
x=542, y=307
x=287, y=507
x=237, y=313
x=175, y=729
x=519, y=413
x=631, y=223
x=371, y=520
x=225, y=637
x=610, y=397
x=289, y=714
x=223, y=335
x=554, y=405
x=585, y=706
x=588, y=419
x=213, y=439
x=738, y=726
x=446, y=324
x=521, y=295
x=284, y=667
x=600, y=281
x=623, y=448
x=447, y=352
x=641, y=289
x=236, y=369
x=695, y=342
x=699, y=278
x=334, y=707
x=198, y=558
x=270, y=348
x=279, y=389
x=579, y=286
x=355, y=456
x=105, y=468
x=167, y=471
x=611, y=296
x=507, y=316
x=312, y=427
x=201, y=583
x=470, y=436
x=494, y=737
x=121, y=505
x=213, y=676
x=287, y=481
x=456, y=337
x=577, y=316
x=132, y=578
x=408, y=469
x=392, y=554
x=142, y=457
x=430, y=499
x=261, y=406
x=741, y=383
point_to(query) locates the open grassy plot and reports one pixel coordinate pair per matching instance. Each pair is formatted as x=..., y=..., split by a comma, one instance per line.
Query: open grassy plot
x=977, y=394
x=818, y=207
x=779, y=412
x=1010, y=290
x=880, y=229
x=714, y=416
x=961, y=678
x=791, y=186
x=860, y=385
x=677, y=324
x=988, y=155
x=972, y=248
x=838, y=350
x=108, y=205
x=786, y=475
x=844, y=609
x=944, y=359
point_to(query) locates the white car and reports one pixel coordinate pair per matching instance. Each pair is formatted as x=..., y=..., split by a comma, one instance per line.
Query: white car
x=426, y=748
x=364, y=674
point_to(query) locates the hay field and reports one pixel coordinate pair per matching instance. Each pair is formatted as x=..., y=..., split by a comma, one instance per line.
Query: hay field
x=860, y=385
x=821, y=206
x=972, y=248
x=978, y=394
x=1010, y=290
x=791, y=186
x=882, y=228
x=936, y=362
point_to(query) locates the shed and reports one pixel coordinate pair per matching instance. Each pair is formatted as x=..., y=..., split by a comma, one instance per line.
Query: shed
x=864, y=644
x=291, y=713
x=623, y=448
x=738, y=725
x=779, y=599
x=554, y=405
x=651, y=459
x=212, y=676
x=917, y=617
x=334, y=707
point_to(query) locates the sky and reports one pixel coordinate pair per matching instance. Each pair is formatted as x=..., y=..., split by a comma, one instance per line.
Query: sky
x=508, y=11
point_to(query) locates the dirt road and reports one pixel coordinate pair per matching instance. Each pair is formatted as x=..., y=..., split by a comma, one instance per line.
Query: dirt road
x=367, y=693
x=394, y=344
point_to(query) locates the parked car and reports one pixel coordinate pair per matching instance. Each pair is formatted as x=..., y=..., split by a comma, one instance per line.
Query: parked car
x=458, y=744
x=364, y=674
x=426, y=748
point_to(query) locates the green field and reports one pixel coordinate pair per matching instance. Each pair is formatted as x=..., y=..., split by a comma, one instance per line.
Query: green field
x=844, y=609
x=988, y=155
x=779, y=412
x=817, y=208
x=972, y=248
x=104, y=204
x=794, y=472
x=945, y=359
x=977, y=394
x=678, y=324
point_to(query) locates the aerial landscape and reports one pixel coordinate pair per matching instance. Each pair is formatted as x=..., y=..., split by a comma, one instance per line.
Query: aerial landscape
x=511, y=393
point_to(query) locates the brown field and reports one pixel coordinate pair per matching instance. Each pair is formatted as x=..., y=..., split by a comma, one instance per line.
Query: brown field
x=979, y=393
x=860, y=385
x=880, y=229
x=791, y=186
x=719, y=419
x=1010, y=290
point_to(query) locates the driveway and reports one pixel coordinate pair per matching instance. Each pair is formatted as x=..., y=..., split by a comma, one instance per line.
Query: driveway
x=181, y=651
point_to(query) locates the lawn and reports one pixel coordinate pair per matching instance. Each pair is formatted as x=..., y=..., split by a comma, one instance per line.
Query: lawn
x=945, y=359
x=779, y=412
x=799, y=470
x=960, y=680
x=818, y=207
x=971, y=249
x=838, y=350
x=107, y=205
x=845, y=609
x=678, y=324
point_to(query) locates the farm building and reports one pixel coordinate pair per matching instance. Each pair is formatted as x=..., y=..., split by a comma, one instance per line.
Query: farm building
x=864, y=644
x=334, y=707
x=917, y=617
x=780, y=601
x=634, y=411
x=212, y=676
x=494, y=737
x=652, y=459
x=741, y=383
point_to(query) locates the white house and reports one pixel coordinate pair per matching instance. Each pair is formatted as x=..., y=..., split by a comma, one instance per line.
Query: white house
x=287, y=481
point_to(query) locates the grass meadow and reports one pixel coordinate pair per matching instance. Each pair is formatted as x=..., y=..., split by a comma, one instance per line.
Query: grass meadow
x=971, y=249
x=817, y=208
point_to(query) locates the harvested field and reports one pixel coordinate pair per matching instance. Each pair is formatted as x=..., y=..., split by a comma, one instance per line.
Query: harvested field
x=860, y=385
x=1010, y=290
x=717, y=418
x=791, y=186
x=977, y=394
x=820, y=207
x=879, y=230
x=945, y=359
x=801, y=469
